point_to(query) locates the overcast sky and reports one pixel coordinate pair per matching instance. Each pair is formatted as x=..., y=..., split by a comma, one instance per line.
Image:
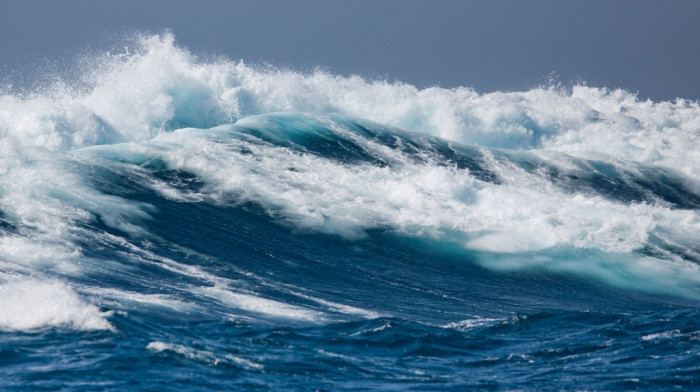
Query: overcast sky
x=649, y=47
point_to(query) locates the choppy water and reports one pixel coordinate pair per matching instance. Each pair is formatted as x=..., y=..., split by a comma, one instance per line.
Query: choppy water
x=172, y=223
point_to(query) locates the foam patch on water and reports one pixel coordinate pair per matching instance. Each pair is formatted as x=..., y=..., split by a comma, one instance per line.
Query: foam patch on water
x=265, y=307
x=202, y=355
x=30, y=304
x=471, y=323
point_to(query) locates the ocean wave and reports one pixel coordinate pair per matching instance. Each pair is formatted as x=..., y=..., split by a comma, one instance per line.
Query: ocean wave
x=582, y=181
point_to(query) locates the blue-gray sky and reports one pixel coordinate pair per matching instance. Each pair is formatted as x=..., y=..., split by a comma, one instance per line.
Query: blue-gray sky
x=649, y=47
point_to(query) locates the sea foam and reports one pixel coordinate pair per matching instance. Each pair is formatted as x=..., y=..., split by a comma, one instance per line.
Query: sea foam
x=156, y=86
x=31, y=304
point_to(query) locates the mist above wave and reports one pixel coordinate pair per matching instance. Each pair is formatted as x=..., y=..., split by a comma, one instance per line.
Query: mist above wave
x=155, y=86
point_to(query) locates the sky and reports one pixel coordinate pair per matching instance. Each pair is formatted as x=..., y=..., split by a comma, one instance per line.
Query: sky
x=643, y=46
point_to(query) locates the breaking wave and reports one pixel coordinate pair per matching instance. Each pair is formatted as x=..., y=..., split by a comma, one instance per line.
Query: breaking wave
x=158, y=187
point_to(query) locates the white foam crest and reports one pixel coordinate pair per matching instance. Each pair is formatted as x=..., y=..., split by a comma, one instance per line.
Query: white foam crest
x=156, y=86
x=29, y=304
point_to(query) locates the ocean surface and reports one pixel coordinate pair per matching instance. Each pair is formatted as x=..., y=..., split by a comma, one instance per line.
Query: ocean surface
x=174, y=223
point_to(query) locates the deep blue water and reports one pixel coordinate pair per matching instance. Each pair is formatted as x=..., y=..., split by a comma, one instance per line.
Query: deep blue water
x=168, y=233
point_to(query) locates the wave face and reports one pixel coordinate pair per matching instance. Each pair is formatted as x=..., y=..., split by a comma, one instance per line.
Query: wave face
x=173, y=222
